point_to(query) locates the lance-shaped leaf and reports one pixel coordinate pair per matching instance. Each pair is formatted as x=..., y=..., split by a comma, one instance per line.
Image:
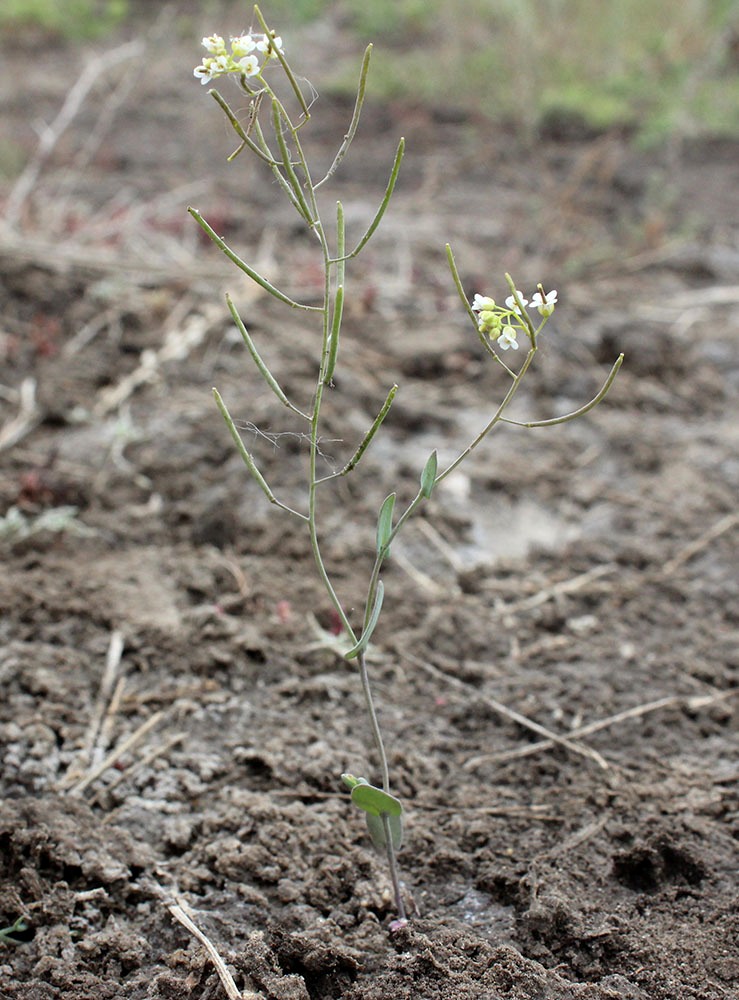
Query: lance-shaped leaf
x=365, y=637
x=385, y=523
x=384, y=814
x=428, y=476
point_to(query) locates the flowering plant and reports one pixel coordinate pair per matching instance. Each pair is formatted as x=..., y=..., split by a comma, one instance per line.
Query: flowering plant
x=284, y=155
x=241, y=59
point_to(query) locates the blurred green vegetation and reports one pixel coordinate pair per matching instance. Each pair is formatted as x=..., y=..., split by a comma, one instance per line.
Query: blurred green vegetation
x=68, y=18
x=656, y=67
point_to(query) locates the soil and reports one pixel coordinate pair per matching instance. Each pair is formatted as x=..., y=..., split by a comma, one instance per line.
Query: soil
x=174, y=718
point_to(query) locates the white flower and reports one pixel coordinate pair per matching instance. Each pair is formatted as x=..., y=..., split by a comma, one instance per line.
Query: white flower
x=512, y=304
x=482, y=302
x=249, y=65
x=545, y=303
x=203, y=73
x=507, y=339
x=270, y=44
x=242, y=45
x=214, y=44
x=220, y=65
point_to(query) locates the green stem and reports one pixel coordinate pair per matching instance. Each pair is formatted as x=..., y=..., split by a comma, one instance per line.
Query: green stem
x=575, y=413
x=374, y=724
x=393, y=866
x=497, y=416
x=468, y=309
x=286, y=68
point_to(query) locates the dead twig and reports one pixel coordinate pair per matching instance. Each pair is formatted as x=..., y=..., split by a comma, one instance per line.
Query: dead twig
x=179, y=342
x=533, y=812
x=181, y=912
x=511, y=714
x=693, y=548
x=671, y=701
x=570, y=586
x=106, y=696
x=135, y=737
x=67, y=113
x=29, y=415
x=143, y=762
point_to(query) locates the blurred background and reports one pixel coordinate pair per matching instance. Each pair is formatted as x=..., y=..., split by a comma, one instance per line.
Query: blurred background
x=653, y=67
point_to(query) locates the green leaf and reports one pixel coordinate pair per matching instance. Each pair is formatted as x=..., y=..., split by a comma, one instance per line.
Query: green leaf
x=374, y=801
x=428, y=476
x=385, y=522
x=351, y=782
x=367, y=634
x=376, y=828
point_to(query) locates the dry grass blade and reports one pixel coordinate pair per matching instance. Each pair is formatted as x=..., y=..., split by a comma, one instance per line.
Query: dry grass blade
x=105, y=707
x=594, y=727
x=180, y=912
x=693, y=548
x=136, y=736
x=29, y=415
x=180, y=341
x=570, y=586
x=148, y=758
x=68, y=112
x=511, y=714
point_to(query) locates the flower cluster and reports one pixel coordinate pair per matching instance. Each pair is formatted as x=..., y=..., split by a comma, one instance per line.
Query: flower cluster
x=503, y=323
x=241, y=59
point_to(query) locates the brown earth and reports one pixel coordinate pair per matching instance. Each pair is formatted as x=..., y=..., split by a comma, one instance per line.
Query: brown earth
x=582, y=576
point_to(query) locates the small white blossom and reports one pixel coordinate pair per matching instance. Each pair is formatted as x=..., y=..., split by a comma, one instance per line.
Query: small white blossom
x=269, y=45
x=214, y=44
x=241, y=59
x=545, y=303
x=203, y=73
x=242, y=45
x=507, y=339
x=249, y=65
x=481, y=302
x=513, y=305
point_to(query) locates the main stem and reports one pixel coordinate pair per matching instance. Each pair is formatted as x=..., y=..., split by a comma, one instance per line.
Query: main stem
x=311, y=208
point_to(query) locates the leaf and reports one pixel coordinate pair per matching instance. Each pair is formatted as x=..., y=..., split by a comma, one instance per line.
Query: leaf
x=351, y=782
x=376, y=828
x=374, y=801
x=428, y=476
x=367, y=634
x=385, y=523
